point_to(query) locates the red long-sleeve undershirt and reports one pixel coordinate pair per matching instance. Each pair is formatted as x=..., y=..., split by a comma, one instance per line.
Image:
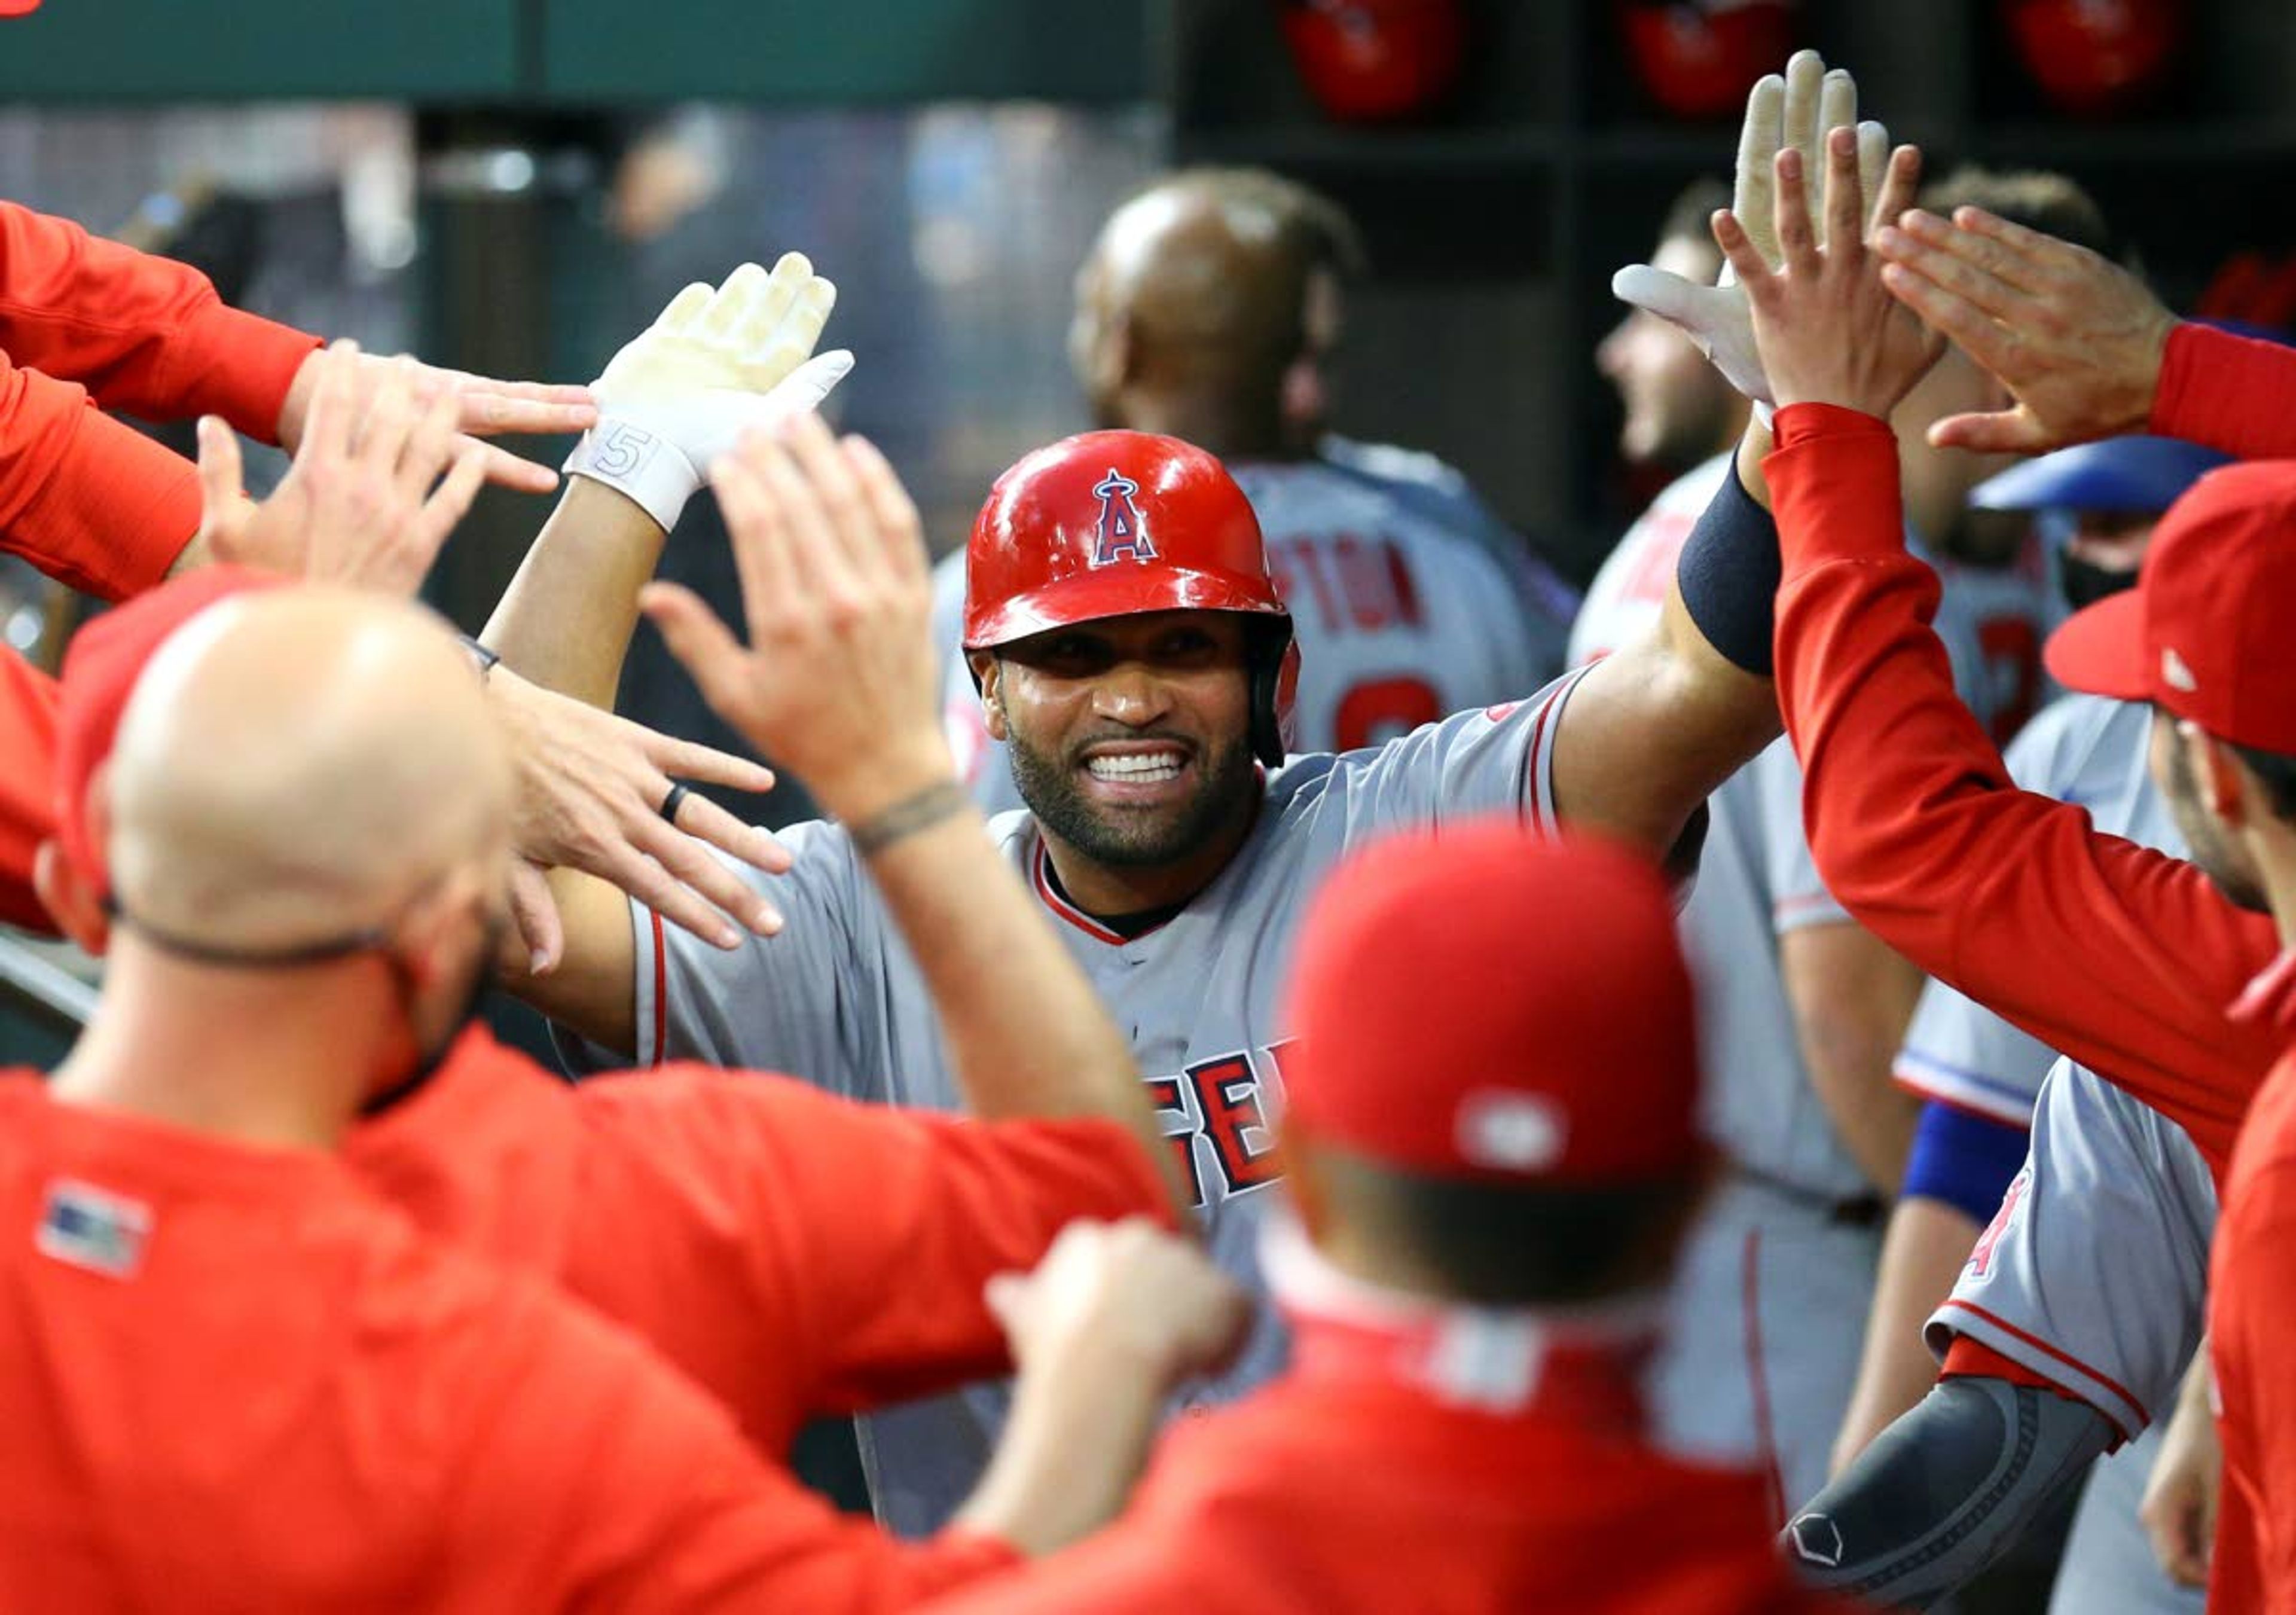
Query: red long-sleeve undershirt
x=2232, y=393
x=27, y=768
x=2121, y=957
x=143, y=334
x=82, y=496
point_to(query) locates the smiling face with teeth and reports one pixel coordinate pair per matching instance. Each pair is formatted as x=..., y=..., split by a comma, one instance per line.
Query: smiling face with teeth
x=1130, y=742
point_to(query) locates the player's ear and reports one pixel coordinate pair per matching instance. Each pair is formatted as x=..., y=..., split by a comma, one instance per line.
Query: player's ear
x=990, y=671
x=2224, y=781
x=70, y=899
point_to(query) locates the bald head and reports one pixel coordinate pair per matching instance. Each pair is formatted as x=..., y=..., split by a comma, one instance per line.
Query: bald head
x=1196, y=298
x=299, y=765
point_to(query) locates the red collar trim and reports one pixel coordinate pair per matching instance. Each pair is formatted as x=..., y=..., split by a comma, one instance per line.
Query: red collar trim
x=2270, y=999
x=1064, y=909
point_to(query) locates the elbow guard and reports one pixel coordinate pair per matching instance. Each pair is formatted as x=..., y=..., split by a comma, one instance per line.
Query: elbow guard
x=1944, y=1491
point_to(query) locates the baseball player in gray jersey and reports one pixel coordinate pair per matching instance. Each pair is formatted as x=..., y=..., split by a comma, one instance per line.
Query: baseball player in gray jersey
x=1803, y=1011
x=2089, y=1282
x=1977, y=1074
x=1207, y=310
x=1803, y=1008
x=1133, y=652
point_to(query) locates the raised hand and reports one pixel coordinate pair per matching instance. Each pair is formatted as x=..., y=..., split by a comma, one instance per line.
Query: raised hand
x=1828, y=330
x=1794, y=112
x=839, y=679
x=480, y=406
x=2076, y=338
x=379, y=478
x=591, y=790
x=716, y=364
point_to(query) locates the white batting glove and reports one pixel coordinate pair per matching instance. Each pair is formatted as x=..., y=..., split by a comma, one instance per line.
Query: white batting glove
x=1797, y=108
x=717, y=363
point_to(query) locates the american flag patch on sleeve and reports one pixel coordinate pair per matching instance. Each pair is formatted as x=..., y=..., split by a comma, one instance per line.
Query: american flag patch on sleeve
x=91, y=1228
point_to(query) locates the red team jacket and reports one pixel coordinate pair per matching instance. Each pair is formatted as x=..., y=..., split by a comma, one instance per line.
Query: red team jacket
x=795, y=1253
x=82, y=496
x=1355, y=1483
x=190, y=1325
x=2125, y=960
x=84, y=322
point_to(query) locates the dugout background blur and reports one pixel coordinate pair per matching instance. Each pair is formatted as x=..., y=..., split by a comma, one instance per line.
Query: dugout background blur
x=515, y=186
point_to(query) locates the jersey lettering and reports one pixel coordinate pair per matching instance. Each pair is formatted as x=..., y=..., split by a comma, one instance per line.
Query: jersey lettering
x=1360, y=584
x=1218, y=1100
x=1379, y=709
x=1980, y=1257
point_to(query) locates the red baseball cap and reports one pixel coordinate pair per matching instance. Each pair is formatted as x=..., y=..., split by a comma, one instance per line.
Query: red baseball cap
x=100, y=669
x=19, y=8
x=2205, y=631
x=1489, y=1005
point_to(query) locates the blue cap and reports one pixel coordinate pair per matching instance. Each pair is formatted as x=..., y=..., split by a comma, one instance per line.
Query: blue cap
x=2139, y=475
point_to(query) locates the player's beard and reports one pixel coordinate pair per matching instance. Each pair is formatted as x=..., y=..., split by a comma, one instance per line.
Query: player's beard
x=1225, y=784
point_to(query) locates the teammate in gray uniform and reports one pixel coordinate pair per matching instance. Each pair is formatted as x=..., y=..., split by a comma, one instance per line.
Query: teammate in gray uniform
x=1207, y=310
x=2091, y=1276
x=1132, y=649
x=1803, y=1009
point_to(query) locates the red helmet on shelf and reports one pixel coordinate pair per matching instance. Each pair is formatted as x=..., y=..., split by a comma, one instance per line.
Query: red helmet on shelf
x=1118, y=523
x=2093, y=57
x=1698, y=58
x=1366, y=60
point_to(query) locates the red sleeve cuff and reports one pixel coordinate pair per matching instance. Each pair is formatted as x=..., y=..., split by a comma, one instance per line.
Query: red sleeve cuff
x=1799, y=422
x=239, y=365
x=1970, y=1358
x=2231, y=393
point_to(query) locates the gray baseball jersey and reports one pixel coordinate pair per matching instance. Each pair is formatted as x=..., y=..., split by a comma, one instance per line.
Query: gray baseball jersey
x=836, y=999
x=1400, y=621
x=2080, y=748
x=1440, y=492
x=2093, y=1271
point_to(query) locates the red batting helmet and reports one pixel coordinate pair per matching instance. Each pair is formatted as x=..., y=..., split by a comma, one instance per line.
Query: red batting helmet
x=1117, y=523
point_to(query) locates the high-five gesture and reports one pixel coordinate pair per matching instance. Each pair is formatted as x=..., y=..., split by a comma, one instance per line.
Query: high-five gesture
x=1796, y=112
x=717, y=363
x=476, y=407
x=377, y=483
x=2076, y=338
x=839, y=680
x=1828, y=330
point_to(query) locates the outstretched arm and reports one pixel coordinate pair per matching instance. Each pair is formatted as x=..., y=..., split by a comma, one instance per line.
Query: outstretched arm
x=2084, y=349
x=1651, y=731
x=2118, y=956
x=150, y=336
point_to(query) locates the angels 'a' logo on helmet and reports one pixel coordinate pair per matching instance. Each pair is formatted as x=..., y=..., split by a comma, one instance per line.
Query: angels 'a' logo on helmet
x=1121, y=535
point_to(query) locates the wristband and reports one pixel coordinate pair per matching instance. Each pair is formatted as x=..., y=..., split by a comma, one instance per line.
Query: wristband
x=918, y=811
x=1728, y=576
x=643, y=466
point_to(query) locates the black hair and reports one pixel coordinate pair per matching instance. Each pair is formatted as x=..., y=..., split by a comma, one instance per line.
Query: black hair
x=2277, y=771
x=1504, y=1244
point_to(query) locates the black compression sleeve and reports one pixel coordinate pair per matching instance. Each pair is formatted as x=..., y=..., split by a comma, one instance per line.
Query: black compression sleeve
x=1944, y=1491
x=1728, y=575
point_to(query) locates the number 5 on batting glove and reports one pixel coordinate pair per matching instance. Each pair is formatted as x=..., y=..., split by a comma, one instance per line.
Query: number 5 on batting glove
x=716, y=364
